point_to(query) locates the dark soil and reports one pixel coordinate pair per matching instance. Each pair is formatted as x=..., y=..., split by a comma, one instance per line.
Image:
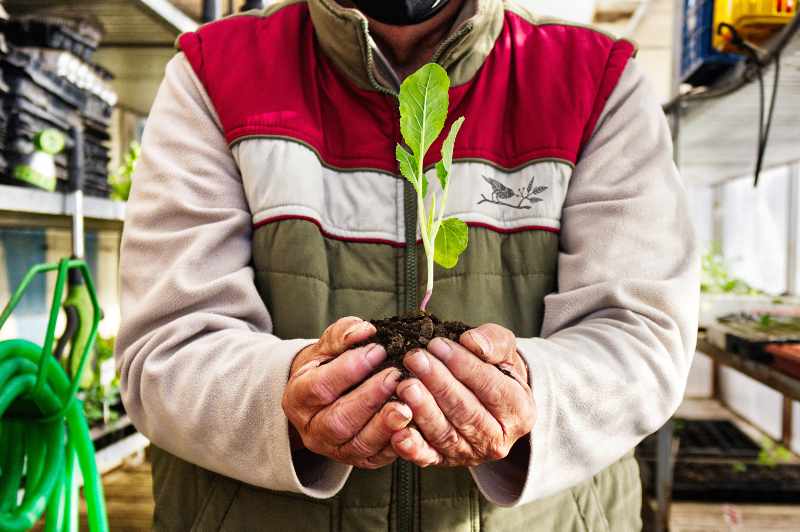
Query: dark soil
x=401, y=334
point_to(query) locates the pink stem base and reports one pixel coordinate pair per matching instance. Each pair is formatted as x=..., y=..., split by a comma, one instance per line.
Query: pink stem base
x=425, y=300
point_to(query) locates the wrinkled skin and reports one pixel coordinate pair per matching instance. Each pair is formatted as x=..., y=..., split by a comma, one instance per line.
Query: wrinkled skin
x=352, y=427
x=466, y=411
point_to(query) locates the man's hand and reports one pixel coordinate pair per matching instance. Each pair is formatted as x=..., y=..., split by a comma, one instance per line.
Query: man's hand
x=351, y=426
x=466, y=410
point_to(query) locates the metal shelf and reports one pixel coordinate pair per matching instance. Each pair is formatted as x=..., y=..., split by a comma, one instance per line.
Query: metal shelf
x=717, y=135
x=138, y=40
x=125, y=22
x=21, y=200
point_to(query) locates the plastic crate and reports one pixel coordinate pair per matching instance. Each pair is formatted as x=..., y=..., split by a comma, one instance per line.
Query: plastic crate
x=54, y=32
x=755, y=20
x=701, y=63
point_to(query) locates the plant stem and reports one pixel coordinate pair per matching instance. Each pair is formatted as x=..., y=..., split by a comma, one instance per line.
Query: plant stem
x=425, y=233
x=425, y=300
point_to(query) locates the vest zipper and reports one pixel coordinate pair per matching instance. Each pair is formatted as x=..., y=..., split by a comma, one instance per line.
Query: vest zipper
x=406, y=473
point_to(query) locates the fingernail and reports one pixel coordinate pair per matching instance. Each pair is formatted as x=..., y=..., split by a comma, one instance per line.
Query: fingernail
x=418, y=362
x=391, y=379
x=399, y=417
x=440, y=349
x=406, y=444
x=413, y=394
x=480, y=339
x=357, y=327
x=375, y=354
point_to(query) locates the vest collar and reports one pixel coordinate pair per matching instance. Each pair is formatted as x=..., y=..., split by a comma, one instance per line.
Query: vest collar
x=344, y=37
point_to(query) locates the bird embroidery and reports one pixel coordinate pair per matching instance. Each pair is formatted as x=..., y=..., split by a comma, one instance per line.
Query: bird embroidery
x=502, y=192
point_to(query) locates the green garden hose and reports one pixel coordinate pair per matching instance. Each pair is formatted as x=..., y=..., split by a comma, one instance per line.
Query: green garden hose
x=43, y=432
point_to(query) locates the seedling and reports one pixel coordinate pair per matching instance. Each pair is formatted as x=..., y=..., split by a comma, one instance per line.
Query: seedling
x=424, y=103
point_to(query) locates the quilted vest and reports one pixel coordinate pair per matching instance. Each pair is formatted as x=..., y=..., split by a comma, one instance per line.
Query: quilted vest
x=334, y=235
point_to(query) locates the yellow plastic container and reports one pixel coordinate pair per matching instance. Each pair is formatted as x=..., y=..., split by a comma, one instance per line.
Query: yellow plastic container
x=755, y=20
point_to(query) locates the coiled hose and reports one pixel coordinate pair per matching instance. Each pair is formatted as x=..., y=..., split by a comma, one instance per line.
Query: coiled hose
x=43, y=432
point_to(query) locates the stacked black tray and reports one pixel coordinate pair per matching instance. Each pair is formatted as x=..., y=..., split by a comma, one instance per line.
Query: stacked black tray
x=53, y=85
x=718, y=462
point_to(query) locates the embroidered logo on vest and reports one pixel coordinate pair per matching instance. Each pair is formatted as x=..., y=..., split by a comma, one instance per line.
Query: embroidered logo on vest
x=501, y=192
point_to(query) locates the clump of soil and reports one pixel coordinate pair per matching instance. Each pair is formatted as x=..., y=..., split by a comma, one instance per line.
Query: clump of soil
x=401, y=334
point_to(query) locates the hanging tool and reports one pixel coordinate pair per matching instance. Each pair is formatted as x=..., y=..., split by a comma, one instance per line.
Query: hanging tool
x=77, y=305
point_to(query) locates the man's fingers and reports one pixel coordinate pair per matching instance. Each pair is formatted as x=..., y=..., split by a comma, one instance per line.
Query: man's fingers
x=496, y=391
x=382, y=459
x=430, y=419
x=343, y=334
x=460, y=408
x=328, y=382
x=377, y=434
x=341, y=421
x=492, y=343
x=410, y=445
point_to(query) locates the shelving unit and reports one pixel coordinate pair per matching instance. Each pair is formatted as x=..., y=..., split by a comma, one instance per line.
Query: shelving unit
x=715, y=134
x=20, y=200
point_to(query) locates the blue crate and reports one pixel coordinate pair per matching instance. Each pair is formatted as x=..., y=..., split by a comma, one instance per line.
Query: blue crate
x=701, y=63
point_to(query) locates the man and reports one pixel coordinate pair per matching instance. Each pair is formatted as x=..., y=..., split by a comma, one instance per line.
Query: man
x=268, y=207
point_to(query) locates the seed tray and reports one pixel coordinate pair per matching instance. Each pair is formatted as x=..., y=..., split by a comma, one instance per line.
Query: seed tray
x=785, y=358
x=22, y=84
x=24, y=122
x=732, y=482
x=54, y=32
x=97, y=110
x=20, y=62
x=707, y=438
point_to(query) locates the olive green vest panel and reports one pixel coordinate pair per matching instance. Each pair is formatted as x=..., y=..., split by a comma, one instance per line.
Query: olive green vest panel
x=189, y=498
x=308, y=281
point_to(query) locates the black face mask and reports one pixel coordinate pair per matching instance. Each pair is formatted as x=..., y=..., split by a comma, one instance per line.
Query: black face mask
x=400, y=12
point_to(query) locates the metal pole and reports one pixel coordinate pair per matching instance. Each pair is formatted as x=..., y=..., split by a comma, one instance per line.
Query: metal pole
x=664, y=474
x=76, y=171
x=793, y=229
x=212, y=10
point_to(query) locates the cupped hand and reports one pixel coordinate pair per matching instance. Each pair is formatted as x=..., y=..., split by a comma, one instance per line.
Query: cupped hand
x=336, y=412
x=471, y=400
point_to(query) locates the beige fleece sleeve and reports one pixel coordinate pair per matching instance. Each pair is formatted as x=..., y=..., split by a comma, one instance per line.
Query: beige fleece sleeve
x=619, y=335
x=202, y=376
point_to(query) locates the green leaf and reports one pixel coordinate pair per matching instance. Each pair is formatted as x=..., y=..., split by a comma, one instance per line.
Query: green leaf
x=449, y=143
x=424, y=101
x=408, y=164
x=442, y=173
x=451, y=241
x=424, y=185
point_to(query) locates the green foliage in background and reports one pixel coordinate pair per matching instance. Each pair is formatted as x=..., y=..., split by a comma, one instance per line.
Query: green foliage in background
x=98, y=398
x=717, y=279
x=772, y=454
x=121, y=181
